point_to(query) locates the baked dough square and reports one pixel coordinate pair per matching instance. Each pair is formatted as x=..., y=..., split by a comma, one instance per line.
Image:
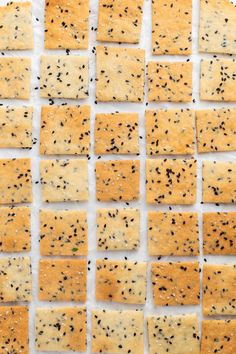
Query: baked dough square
x=120, y=74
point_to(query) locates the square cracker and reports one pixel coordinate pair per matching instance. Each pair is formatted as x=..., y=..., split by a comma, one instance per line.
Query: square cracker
x=219, y=233
x=173, y=234
x=176, y=283
x=121, y=281
x=169, y=81
x=62, y=280
x=118, y=229
x=16, y=127
x=64, y=180
x=117, y=331
x=218, y=288
x=64, y=76
x=217, y=18
x=14, y=331
x=15, y=279
x=16, y=30
x=61, y=329
x=65, y=130
x=15, y=230
x=173, y=334
x=216, y=129
x=170, y=132
x=66, y=24
x=217, y=80
x=117, y=180
x=15, y=76
x=171, y=181
x=219, y=182
x=63, y=233
x=120, y=74
x=116, y=133
x=218, y=336
x=15, y=181
x=172, y=27
x=120, y=21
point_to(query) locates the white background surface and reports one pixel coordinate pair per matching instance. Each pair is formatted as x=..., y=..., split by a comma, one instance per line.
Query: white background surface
x=92, y=205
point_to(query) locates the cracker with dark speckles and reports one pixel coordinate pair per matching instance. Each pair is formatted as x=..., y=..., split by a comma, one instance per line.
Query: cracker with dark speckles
x=169, y=81
x=170, y=132
x=65, y=130
x=176, y=283
x=117, y=331
x=177, y=334
x=173, y=234
x=16, y=30
x=61, y=329
x=15, y=181
x=120, y=20
x=14, y=329
x=218, y=289
x=219, y=182
x=64, y=76
x=118, y=229
x=116, y=133
x=219, y=233
x=171, y=181
x=172, y=27
x=120, y=74
x=15, y=279
x=64, y=180
x=121, y=281
x=15, y=229
x=62, y=280
x=66, y=24
x=63, y=233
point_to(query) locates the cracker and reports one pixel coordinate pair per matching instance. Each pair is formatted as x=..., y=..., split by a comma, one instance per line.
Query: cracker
x=169, y=81
x=65, y=130
x=16, y=30
x=171, y=181
x=16, y=127
x=15, y=181
x=117, y=180
x=170, y=132
x=62, y=280
x=217, y=80
x=217, y=18
x=15, y=75
x=64, y=180
x=218, y=336
x=172, y=27
x=117, y=331
x=218, y=289
x=120, y=21
x=173, y=234
x=63, y=233
x=219, y=182
x=61, y=329
x=173, y=334
x=15, y=229
x=14, y=331
x=120, y=74
x=64, y=76
x=116, y=133
x=219, y=235
x=216, y=130
x=66, y=24
x=15, y=279
x=176, y=283
x=121, y=281
x=118, y=229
